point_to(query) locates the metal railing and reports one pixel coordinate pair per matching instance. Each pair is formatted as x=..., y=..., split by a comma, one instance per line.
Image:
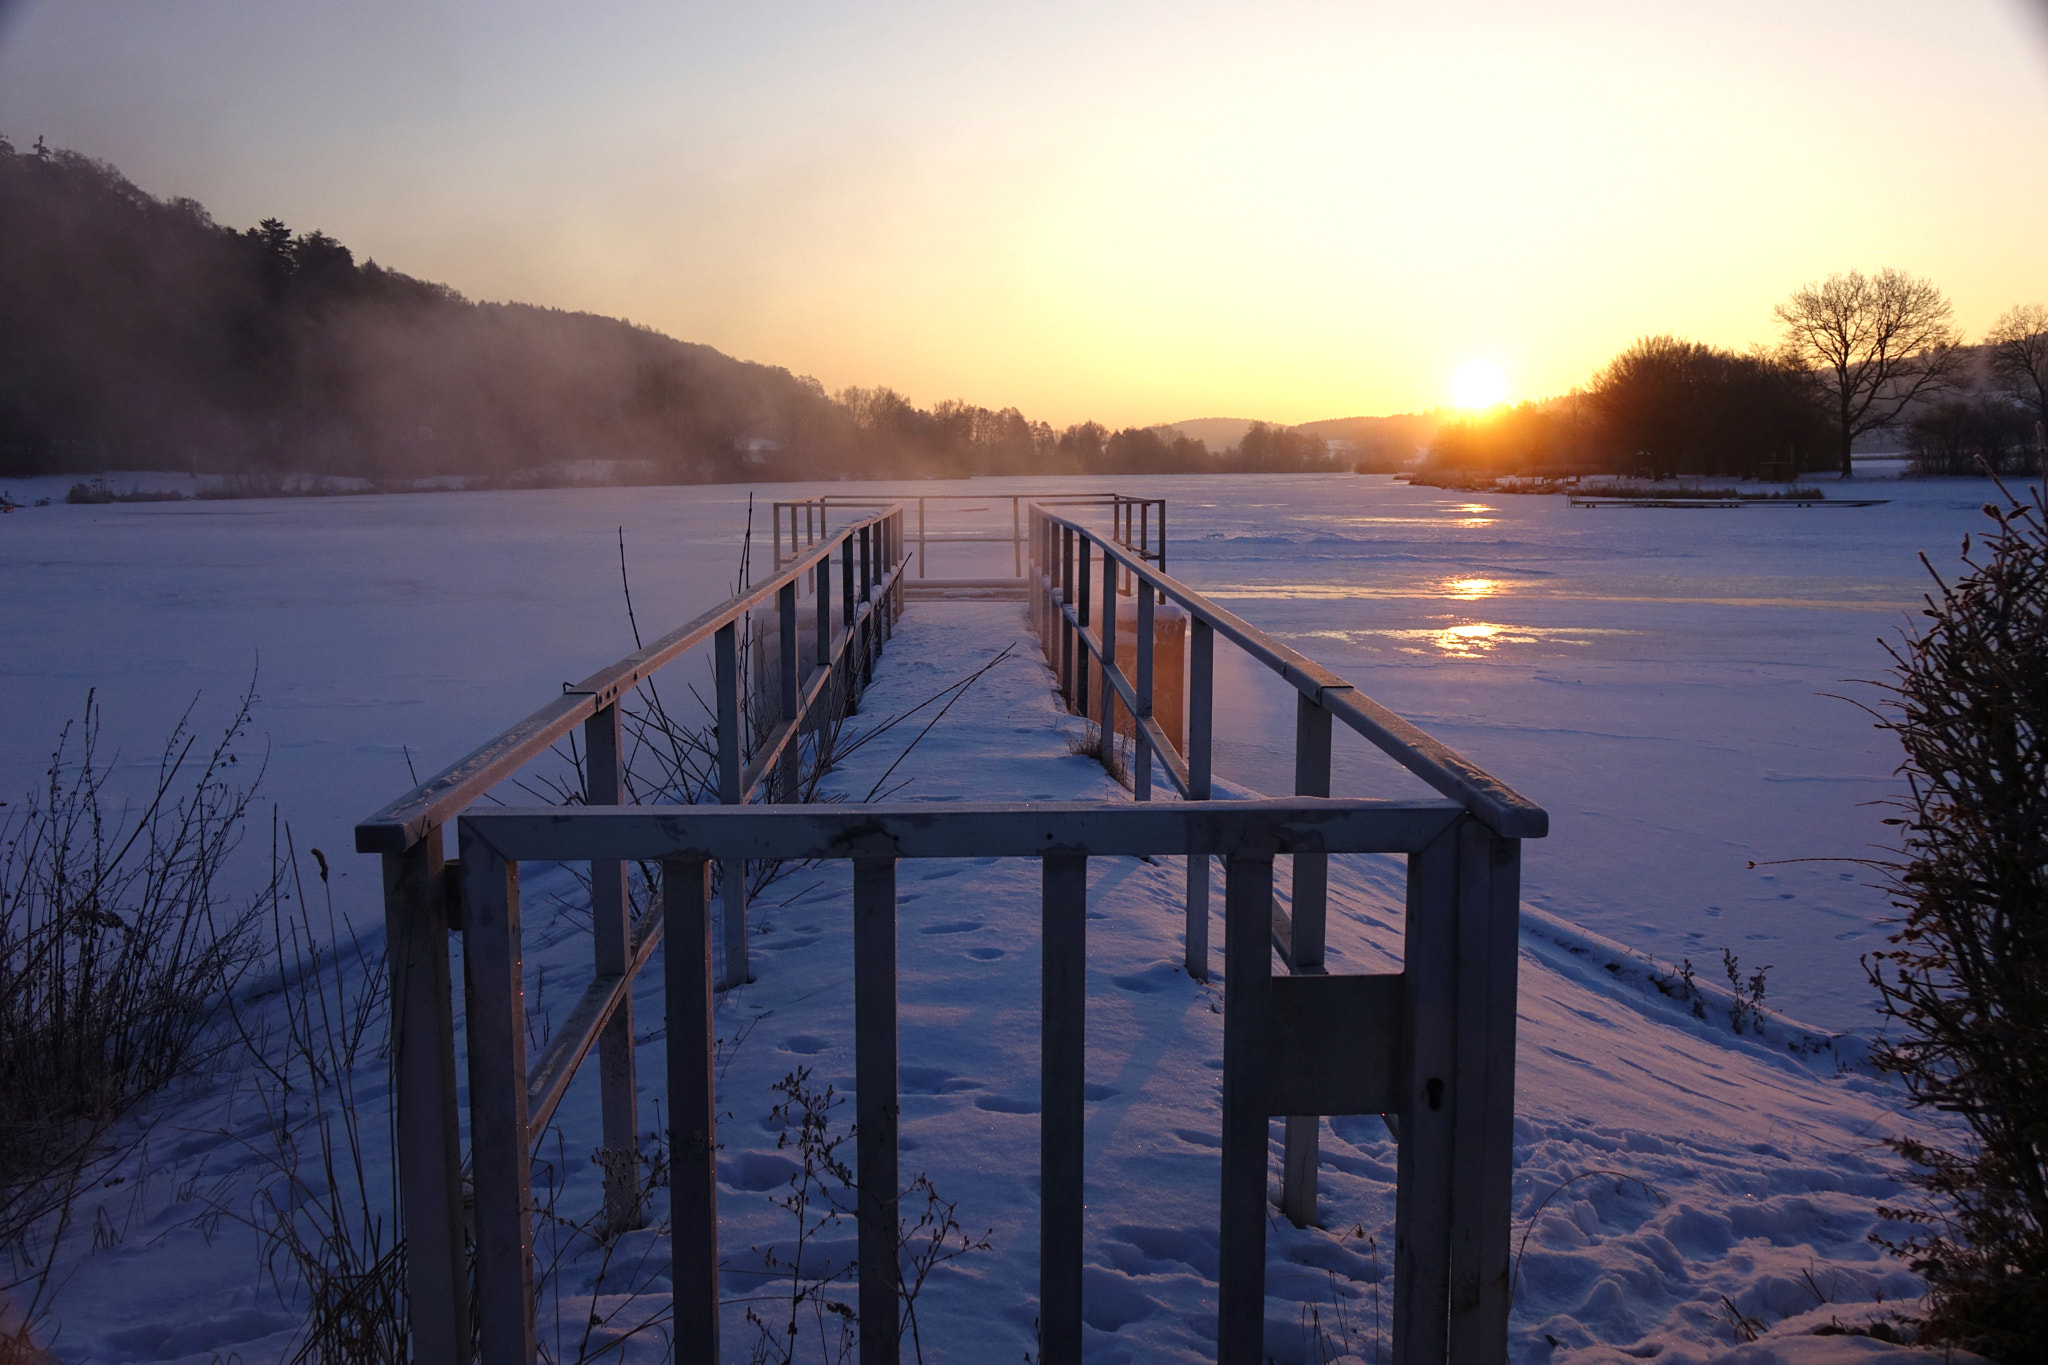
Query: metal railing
x=1423, y=1043
x=422, y=904
x=1138, y=524
x=1077, y=622
x=1430, y=1046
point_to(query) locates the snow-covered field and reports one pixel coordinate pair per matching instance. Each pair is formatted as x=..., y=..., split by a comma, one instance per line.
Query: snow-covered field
x=1654, y=677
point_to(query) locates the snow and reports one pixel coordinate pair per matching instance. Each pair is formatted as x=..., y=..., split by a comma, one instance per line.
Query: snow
x=1655, y=678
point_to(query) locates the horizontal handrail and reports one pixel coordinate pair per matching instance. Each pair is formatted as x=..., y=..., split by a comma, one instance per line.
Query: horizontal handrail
x=1506, y=811
x=401, y=824
x=1031, y=829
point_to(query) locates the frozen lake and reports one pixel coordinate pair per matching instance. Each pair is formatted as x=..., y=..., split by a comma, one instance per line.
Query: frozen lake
x=1657, y=678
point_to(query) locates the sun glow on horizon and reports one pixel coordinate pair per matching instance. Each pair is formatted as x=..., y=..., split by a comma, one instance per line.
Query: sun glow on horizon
x=1479, y=384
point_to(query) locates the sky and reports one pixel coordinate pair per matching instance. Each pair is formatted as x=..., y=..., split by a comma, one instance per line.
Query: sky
x=1134, y=211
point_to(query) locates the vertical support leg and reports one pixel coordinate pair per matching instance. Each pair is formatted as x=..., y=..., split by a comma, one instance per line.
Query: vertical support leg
x=867, y=604
x=1311, y=870
x=732, y=872
x=1422, y=1203
x=429, y=1155
x=1247, y=1009
x=693, y=1105
x=1016, y=541
x=875, y=1104
x=611, y=932
x=1084, y=581
x=1141, y=750
x=887, y=530
x=1311, y=898
x=1066, y=627
x=499, y=1141
x=821, y=589
x=920, y=539
x=1106, y=711
x=1482, y=1147
x=1201, y=712
x=848, y=663
x=1062, y=1109
x=788, y=663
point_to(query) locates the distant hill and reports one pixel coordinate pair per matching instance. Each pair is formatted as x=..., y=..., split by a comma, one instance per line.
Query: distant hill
x=1385, y=442
x=1217, y=433
x=137, y=332
x=1388, y=442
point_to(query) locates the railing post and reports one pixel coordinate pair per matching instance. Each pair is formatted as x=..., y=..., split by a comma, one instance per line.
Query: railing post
x=921, y=558
x=1305, y=947
x=875, y=1104
x=429, y=1150
x=848, y=661
x=1201, y=710
x=1084, y=569
x=1062, y=1107
x=693, y=1106
x=868, y=640
x=732, y=872
x=611, y=912
x=500, y=1146
x=1483, y=1115
x=1141, y=748
x=1106, y=713
x=822, y=590
x=1035, y=587
x=1247, y=1007
x=787, y=664
x=1423, y=1207
x=1067, y=645
x=1016, y=541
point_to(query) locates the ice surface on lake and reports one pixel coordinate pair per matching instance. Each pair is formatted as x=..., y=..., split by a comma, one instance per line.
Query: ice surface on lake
x=1652, y=677
x=1656, y=678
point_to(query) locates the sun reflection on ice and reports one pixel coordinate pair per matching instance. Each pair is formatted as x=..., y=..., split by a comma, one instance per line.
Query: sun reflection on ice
x=1468, y=641
x=1471, y=514
x=1470, y=589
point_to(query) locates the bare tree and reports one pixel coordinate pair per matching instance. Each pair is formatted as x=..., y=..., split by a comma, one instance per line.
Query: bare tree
x=2019, y=360
x=1873, y=345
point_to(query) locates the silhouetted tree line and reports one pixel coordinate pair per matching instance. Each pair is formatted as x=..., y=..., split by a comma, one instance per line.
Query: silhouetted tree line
x=1663, y=407
x=1858, y=356
x=138, y=333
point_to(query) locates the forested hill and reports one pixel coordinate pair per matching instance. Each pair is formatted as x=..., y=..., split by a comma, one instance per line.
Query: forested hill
x=138, y=333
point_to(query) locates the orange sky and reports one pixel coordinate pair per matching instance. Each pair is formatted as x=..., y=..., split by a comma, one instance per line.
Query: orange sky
x=1136, y=212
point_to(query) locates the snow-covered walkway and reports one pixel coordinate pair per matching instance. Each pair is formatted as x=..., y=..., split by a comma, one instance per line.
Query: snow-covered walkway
x=1663, y=1162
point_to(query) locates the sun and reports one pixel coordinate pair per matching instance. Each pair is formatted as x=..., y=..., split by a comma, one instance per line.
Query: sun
x=1478, y=384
